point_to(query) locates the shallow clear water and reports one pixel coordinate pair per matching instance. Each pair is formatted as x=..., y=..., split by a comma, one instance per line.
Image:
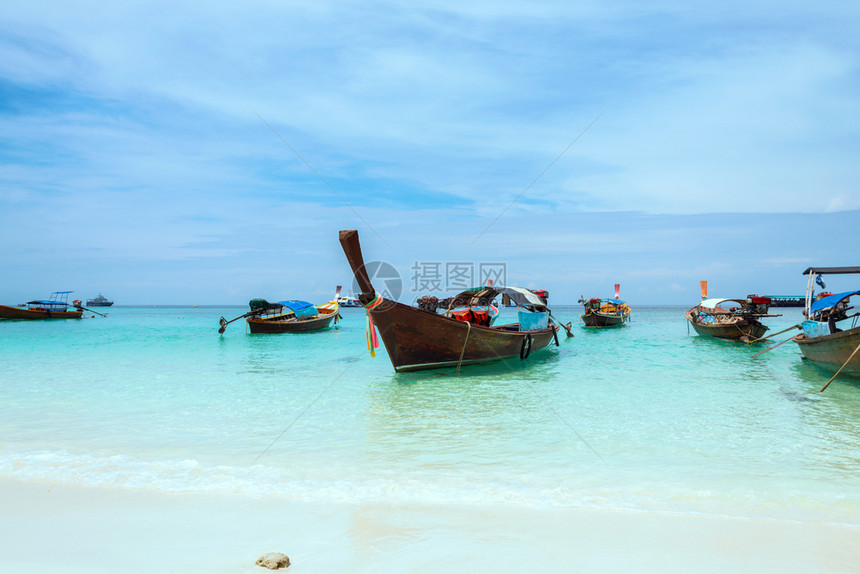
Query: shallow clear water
x=644, y=416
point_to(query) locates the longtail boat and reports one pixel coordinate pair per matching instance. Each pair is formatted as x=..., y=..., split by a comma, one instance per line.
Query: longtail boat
x=740, y=322
x=418, y=339
x=291, y=316
x=829, y=339
x=56, y=307
x=604, y=312
x=294, y=317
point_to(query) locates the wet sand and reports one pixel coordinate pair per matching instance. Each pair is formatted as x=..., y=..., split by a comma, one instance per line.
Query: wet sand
x=50, y=527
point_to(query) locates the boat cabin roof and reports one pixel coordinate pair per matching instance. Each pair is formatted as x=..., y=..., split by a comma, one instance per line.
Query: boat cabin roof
x=485, y=295
x=52, y=303
x=832, y=270
x=831, y=300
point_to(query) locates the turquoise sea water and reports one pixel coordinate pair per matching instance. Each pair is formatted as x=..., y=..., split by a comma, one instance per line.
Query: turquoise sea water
x=644, y=417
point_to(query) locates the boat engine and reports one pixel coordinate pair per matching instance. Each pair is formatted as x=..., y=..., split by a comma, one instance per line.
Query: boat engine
x=759, y=305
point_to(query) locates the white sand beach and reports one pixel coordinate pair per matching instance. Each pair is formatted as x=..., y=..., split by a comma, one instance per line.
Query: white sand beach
x=50, y=527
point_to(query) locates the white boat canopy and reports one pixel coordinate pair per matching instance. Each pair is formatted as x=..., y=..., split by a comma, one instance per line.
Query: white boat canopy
x=713, y=303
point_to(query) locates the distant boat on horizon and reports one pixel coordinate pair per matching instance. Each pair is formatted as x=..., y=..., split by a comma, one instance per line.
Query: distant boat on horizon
x=100, y=301
x=605, y=312
x=346, y=300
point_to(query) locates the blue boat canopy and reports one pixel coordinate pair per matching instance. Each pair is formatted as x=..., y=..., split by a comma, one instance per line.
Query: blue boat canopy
x=295, y=305
x=831, y=300
x=614, y=301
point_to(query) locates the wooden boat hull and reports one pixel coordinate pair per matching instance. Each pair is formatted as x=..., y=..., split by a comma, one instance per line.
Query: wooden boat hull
x=831, y=351
x=418, y=340
x=741, y=330
x=316, y=323
x=7, y=312
x=603, y=320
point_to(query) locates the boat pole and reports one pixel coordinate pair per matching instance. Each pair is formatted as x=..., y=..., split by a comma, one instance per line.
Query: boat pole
x=840, y=369
x=224, y=322
x=91, y=311
x=772, y=348
x=775, y=334
x=566, y=327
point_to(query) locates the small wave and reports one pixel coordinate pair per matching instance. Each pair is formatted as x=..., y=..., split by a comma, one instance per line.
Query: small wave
x=189, y=475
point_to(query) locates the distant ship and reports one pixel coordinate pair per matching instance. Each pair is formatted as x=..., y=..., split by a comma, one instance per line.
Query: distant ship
x=345, y=301
x=348, y=301
x=100, y=301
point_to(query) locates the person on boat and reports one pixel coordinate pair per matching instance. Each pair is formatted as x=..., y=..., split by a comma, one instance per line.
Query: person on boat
x=837, y=313
x=831, y=322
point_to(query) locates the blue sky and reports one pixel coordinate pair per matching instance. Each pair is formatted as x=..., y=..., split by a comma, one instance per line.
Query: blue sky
x=145, y=148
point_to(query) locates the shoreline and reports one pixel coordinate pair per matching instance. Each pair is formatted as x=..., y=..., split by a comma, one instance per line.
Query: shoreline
x=51, y=527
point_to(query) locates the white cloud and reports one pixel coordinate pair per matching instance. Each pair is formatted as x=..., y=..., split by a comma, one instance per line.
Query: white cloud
x=136, y=122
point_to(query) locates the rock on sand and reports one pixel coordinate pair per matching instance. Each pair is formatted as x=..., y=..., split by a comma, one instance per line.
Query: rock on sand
x=273, y=560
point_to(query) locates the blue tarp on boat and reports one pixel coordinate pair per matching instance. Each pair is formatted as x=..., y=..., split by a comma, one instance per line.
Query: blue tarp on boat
x=300, y=308
x=814, y=329
x=831, y=300
x=533, y=321
x=295, y=305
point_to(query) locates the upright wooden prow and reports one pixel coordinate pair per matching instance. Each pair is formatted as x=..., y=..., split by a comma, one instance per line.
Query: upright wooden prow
x=352, y=250
x=703, y=285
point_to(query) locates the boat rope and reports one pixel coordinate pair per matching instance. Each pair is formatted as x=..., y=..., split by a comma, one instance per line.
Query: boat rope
x=372, y=341
x=742, y=332
x=769, y=349
x=463, y=351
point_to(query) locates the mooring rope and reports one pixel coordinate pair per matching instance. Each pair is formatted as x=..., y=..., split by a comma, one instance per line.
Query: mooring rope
x=463, y=351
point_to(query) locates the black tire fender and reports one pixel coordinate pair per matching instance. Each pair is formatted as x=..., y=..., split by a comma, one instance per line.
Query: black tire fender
x=526, y=349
